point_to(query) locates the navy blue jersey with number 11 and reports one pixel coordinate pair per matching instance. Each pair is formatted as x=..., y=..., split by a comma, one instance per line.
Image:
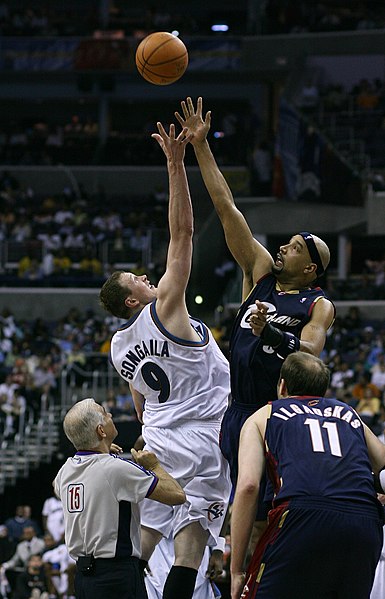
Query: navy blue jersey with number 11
x=316, y=447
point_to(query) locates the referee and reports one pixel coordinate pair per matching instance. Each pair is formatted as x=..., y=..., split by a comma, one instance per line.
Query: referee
x=100, y=493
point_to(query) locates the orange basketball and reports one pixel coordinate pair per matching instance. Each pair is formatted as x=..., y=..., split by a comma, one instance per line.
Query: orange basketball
x=161, y=58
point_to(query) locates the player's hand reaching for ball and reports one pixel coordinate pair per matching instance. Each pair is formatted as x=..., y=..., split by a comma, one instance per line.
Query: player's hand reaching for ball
x=173, y=147
x=193, y=120
x=145, y=458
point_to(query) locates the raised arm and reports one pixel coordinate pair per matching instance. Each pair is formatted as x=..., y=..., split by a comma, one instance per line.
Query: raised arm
x=251, y=256
x=171, y=302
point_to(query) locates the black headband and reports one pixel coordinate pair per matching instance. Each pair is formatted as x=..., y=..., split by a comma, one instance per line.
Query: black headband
x=312, y=248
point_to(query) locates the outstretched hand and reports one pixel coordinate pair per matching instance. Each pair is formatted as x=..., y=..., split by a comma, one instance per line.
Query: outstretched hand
x=193, y=121
x=173, y=147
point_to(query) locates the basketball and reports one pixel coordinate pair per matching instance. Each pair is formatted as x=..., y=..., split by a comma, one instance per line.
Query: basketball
x=161, y=58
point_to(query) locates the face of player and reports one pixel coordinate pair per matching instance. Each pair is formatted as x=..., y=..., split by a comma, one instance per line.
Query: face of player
x=140, y=286
x=292, y=258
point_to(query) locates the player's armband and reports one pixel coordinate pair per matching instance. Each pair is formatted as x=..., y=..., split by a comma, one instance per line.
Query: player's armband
x=283, y=343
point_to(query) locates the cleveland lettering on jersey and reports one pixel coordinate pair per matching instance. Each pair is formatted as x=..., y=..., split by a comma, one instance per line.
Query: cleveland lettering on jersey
x=271, y=317
x=133, y=357
x=328, y=412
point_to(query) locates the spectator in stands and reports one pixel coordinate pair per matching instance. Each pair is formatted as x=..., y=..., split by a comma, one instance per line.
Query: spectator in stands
x=90, y=265
x=378, y=373
x=62, y=262
x=77, y=357
x=47, y=264
x=124, y=398
x=74, y=239
x=7, y=545
x=34, y=272
x=29, y=545
x=378, y=268
x=110, y=405
x=138, y=244
x=74, y=126
x=50, y=238
x=367, y=97
x=44, y=373
x=361, y=388
x=33, y=582
x=22, y=229
x=342, y=377
x=13, y=408
x=24, y=265
x=369, y=408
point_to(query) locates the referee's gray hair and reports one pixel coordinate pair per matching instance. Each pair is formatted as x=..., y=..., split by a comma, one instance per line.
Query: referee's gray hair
x=80, y=424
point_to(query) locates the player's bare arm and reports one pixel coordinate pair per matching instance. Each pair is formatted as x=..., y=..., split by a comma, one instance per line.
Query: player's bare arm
x=168, y=490
x=251, y=256
x=138, y=400
x=251, y=466
x=171, y=305
x=313, y=335
x=376, y=450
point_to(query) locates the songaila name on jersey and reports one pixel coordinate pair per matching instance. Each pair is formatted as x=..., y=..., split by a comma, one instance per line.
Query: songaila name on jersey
x=144, y=349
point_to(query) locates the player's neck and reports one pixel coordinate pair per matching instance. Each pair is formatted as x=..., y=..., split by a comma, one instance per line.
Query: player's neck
x=287, y=287
x=292, y=286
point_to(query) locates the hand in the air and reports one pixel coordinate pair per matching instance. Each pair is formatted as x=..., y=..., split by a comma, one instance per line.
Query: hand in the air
x=173, y=147
x=193, y=120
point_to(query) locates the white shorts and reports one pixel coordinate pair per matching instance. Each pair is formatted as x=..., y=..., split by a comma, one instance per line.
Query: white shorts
x=191, y=454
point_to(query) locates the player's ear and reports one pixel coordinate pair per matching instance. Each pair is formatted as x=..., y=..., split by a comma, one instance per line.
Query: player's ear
x=131, y=302
x=282, y=388
x=310, y=268
x=100, y=431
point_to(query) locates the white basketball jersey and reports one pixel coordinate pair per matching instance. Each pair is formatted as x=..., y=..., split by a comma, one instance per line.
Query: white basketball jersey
x=180, y=380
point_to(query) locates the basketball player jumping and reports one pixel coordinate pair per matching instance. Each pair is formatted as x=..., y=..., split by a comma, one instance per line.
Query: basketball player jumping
x=173, y=363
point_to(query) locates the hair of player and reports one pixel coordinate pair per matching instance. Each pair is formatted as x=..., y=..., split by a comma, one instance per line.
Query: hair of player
x=80, y=424
x=113, y=295
x=323, y=251
x=305, y=374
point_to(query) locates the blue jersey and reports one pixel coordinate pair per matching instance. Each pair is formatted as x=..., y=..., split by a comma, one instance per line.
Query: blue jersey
x=315, y=447
x=255, y=366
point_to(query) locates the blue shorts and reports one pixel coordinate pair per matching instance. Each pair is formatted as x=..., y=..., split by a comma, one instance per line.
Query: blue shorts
x=233, y=420
x=316, y=548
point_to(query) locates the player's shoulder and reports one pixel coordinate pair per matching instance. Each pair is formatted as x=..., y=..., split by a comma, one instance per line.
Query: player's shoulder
x=324, y=306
